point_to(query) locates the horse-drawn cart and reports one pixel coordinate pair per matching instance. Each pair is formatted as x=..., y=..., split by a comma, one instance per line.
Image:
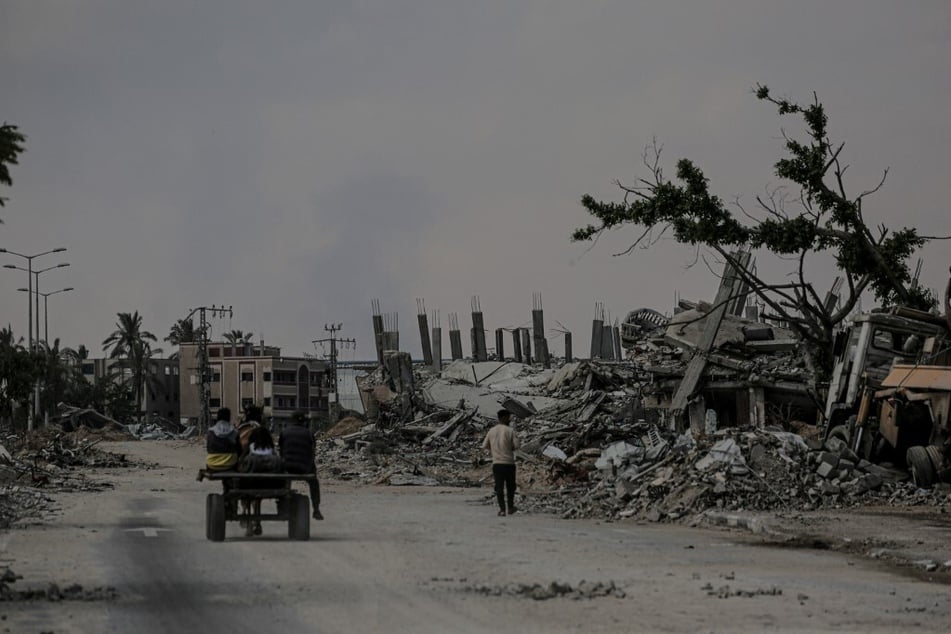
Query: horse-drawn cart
x=292, y=507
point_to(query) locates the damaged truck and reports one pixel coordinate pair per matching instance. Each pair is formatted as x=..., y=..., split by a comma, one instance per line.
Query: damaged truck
x=890, y=390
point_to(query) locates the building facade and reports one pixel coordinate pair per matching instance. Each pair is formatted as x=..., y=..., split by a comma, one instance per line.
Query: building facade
x=161, y=394
x=242, y=374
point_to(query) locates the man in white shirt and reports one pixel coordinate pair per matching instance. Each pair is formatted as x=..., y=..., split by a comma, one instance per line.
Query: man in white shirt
x=502, y=442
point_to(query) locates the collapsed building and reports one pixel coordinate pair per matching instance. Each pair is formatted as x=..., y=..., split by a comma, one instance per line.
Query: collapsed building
x=711, y=408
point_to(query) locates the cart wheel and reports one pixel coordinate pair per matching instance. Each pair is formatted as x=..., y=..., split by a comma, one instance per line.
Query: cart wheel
x=922, y=469
x=215, y=517
x=208, y=516
x=298, y=522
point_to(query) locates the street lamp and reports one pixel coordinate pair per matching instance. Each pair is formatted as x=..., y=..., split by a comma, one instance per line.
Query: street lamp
x=46, y=308
x=29, y=263
x=36, y=288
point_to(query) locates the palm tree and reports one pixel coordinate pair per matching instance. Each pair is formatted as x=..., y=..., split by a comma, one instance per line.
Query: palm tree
x=57, y=374
x=17, y=373
x=182, y=331
x=235, y=337
x=131, y=346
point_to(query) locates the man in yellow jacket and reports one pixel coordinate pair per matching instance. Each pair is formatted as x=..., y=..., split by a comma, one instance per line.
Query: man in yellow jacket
x=502, y=442
x=221, y=443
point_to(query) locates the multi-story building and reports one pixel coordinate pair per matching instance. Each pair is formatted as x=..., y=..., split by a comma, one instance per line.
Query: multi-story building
x=243, y=374
x=161, y=394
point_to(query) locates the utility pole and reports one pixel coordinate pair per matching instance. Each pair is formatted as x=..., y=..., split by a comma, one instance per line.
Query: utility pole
x=204, y=371
x=333, y=329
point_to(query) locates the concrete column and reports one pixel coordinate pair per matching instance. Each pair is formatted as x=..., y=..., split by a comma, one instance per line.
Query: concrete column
x=567, y=347
x=424, y=338
x=517, y=345
x=378, y=336
x=455, y=344
x=479, y=352
x=616, y=340
x=437, y=349
x=500, y=344
x=607, y=343
x=597, y=333
x=538, y=335
x=757, y=399
x=526, y=345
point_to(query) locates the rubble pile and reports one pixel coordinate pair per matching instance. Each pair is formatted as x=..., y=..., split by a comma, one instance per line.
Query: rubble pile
x=552, y=590
x=668, y=479
x=593, y=447
x=49, y=461
x=52, y=592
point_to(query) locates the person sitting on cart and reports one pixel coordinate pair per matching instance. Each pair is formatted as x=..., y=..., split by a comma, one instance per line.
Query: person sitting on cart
x=252, y=421
x=261, y=456
x=298, y=451
x=222, y=443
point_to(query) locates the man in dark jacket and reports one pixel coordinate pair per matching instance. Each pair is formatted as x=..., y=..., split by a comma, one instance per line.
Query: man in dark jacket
x=297, y=450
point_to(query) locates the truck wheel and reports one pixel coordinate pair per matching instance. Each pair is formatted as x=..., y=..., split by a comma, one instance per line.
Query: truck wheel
x=298, y=522
x=937, y=460
x=922, y=470
x=215, y=517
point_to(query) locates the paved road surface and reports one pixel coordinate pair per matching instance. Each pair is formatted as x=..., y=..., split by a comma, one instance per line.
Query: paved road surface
x=393, y=559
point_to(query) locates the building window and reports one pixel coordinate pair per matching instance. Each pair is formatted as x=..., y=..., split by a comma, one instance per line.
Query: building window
x=267, y=377
x=175, y=370
x=247, y=376
x=314, y=402
x=267, y=401
x=214, y=402
x=214, y=352
x=285, y=377
x=89, y=369
x=216, y=377
x=168, y=370
x=246, y=403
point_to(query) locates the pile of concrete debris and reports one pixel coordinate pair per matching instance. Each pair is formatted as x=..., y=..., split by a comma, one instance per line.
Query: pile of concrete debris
x=48, y=461
x=154, y=427
x=677, y=478
x=52, y=592
x=594, y=443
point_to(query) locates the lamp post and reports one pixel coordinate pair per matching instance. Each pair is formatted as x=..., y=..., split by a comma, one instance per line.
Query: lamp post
x=36, y=289
x=46, y=308
x=29, y=263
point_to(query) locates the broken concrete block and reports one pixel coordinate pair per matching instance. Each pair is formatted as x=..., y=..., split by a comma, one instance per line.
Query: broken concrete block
x=615, y=455
x=825, y=469
x=551, y=451
x=624, y=489
x=725, y=453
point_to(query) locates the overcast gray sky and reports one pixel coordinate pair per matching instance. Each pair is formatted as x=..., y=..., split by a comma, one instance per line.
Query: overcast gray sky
x=296, y=159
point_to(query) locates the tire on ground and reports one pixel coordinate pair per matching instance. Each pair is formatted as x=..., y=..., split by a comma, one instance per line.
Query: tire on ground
x=298, y=522
x=922, y=469
x=215, y=517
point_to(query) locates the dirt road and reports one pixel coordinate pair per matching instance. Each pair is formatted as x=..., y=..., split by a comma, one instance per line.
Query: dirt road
x=391, y=559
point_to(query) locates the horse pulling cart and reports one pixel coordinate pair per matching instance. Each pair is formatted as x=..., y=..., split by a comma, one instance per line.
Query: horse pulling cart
x=292, y=507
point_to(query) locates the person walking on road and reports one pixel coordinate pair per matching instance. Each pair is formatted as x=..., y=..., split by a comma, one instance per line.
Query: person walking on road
x=502, y=442
x=298, y=452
